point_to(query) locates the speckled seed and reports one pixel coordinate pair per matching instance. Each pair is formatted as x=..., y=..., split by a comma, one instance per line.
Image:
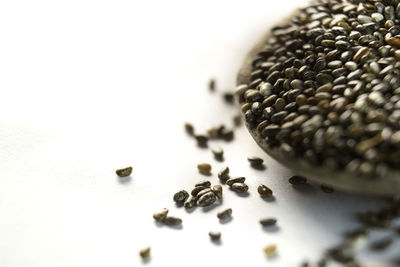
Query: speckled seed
x=181, y=196
x=197, y=190
x=204, y=168
x=223, y=215
x=231, y=181
x=190, y=202
x=205, y=183
x=160, y=216
x=145, y=253
x=206, y=199
x=264, y=191
x=255, y=161
x=217, y=189
x=270, y=250
x=203, y=192
x=124, y=172
x=239, y=187
x=296, y=180
x=223, y=174
x=268, y=221
x=172, y=221
x=215, y=236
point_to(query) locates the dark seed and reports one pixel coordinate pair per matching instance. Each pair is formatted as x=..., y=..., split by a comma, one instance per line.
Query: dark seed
x=218, y=153
x=239, y=187
x=206, y=199
x=172, y=221
x=223, y=175
x=268, y=221
x=190, y=203
x=124, y=172
x=229, y=97
x=223, y=215
x=264, y=191
x=197, y=190
x=296, y=180
x=327, y=189
x=215, y=236
x=211, y=85
x=231, y=181
x=217, y=189
x=160, y=216
x=180, y=197
x=204, y=183
x=255, y=161
x=202, y=140
x=189, y=129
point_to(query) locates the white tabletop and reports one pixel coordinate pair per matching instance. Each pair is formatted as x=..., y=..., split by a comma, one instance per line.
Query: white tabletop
x=91, y=86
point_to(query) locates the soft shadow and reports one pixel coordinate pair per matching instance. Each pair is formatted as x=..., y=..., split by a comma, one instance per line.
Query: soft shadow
x=206, y=174
x=190, y=210
x=213, y=206
x=305, y=189
x=269, y=199
x=272, y=257
x=176, y=227
x=270, y=229
x=217, y=242
x=124, y=180
x=261, y=167
x=146, y=260
x=225, y=221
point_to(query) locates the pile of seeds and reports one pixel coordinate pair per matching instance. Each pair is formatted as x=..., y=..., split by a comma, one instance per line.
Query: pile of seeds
x=202, y=195
x=326, y=86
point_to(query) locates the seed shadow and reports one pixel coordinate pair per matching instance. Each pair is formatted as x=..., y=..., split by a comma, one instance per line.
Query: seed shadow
x=306, y=189
x=146, y=260
x=227, y=220
x=211, y=207
x=216, y=242
x=206, y=173
x=175, y=227
x=178, y=205
x=124, y=180
x=271, y=257
x=271, y=229
x=261, y=167
x=190, y=210
x=269, y=199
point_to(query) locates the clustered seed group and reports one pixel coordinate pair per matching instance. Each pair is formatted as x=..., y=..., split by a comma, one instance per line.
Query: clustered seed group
x=326, y=86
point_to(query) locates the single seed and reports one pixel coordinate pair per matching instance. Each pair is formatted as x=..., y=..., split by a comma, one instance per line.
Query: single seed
x=237, y=120
x=270, y=250
x=160, y=216
x=206, y=199
x=202, y=140
x=268, y=222
x=223, y=215
x=204, y=168
x=189, y=128
x=218, y=153
x=327, y=189
x=296, y=180
x=172, y=221
x=255, y=161
x=223, y=175
x=239, y=187
x=217, y=189
x=229, y=98
x=190, y=202
x=215, y=236
x=231, y=181
x=204, y=183
x=180, y=197
x=211, y=85
x=124, y=172
x=145, y=253
x=264, y=191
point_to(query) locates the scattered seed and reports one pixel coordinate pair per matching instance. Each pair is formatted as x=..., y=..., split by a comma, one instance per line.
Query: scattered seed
x=239, y=187
x=124, y=172
x=229, y=98
x=218, y=153
x=145, y=253
x=207, y=199
x=190, y=202
x=264, y=191
x=204, y=183
x=180, y=197
x=296, y=180
x=255, y=161
x=223, y=215
x=202, y=140
x=237, y=120
x=223, y=174
x=160, y=216
x=217, y=189
x=327, y=189
x=231, y=181
x=268, y=222
x=270, y=250
x=189, y=128
x=215, y=236
x=204, y=168
x=172, y=221
x=211, y=85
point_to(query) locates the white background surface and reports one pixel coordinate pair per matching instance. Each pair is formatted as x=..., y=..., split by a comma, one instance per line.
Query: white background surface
x=91, y=86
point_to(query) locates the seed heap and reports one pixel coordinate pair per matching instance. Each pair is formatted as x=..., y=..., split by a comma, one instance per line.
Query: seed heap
x=203, y=195
x=326, y=86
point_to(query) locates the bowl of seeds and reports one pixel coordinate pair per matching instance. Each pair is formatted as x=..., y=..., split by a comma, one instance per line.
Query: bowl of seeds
x=320, y=93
